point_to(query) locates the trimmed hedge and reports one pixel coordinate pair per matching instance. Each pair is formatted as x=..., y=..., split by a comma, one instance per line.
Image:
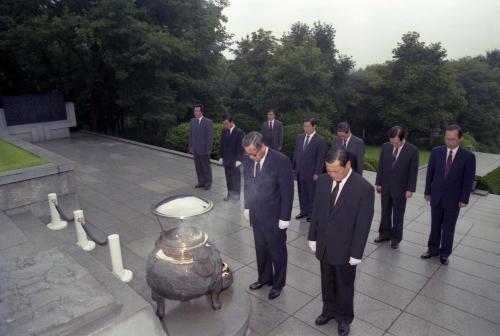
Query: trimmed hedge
x=490, y=181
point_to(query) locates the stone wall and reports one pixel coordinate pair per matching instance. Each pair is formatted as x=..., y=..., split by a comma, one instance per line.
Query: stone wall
x=26, y=189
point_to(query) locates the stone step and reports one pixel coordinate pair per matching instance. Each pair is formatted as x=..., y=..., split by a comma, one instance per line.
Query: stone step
x=52, y=287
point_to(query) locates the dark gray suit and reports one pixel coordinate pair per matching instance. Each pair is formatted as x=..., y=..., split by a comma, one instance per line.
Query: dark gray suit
x=307, y=162
x=269, y=197
x=231, y=151
x=356, y=149
x=201, y=139
x=395, y=178
x=273, y=137
x=340, y=232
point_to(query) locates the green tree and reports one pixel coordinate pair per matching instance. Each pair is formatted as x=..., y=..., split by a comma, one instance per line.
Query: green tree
x=420, y=90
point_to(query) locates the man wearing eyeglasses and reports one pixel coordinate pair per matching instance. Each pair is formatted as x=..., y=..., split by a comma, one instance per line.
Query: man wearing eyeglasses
x=268, y=191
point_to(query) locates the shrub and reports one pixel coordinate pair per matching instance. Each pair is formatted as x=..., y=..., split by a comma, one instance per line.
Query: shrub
x=469, y=142
x=490, y=181
x=246, y=123
x=370, y=164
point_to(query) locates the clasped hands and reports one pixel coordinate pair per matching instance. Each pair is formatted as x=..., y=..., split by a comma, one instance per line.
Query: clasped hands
x=282, y=224
x=352, y=261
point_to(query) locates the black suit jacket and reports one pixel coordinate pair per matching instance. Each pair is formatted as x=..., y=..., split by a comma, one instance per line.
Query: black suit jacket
x=273, y=139
x=403, y=176
x=457, y=186
x=356, y=148
x=342, y=233
x=269, y=196
x=231, y=149
x=311, y=161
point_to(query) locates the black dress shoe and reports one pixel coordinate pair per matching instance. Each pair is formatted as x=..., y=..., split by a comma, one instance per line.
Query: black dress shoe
x=444, y=260
x=274, y=293
x=381, y=239
x=344, y=329
x=198, y=186
x=309, y=219
x=256, y=285
x=427, y=255
x=300, y=216
x=394, y=245
x=322, y=319
x=227, y=199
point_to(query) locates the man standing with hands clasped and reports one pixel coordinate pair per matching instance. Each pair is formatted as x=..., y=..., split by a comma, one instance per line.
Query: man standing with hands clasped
x=308, y=163
x=448, y=185
x=231, y=156
x=201, y=139
x=268, y=191
x=396, y=182
x=272, y=130
x=341, y=219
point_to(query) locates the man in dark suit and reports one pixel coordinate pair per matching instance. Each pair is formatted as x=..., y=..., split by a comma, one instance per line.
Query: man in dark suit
x=396, y=182
x=308, y=162
x=201, y=136
x=231, y=157
x=272, y=130
x=268, y=182
x=448, y=185
x=341, y=219
x=352, y=144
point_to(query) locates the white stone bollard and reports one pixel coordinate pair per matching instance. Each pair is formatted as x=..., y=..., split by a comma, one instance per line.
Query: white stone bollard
x=81, y=236
x=115, y=251
x=55, y=220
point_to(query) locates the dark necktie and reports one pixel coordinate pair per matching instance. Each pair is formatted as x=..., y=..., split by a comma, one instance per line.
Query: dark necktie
x=449, y=161
x=333, y=195
x=344, y=144
x=257, y=169
x=271, y=126
x=394, y=156
x=305, y=143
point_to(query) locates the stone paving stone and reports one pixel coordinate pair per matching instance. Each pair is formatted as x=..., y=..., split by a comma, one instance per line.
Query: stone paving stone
x=481, y=244
x=410, y=263
x=294, y=327
x=143, y=246
x=358, y=328
x=463, y=300
x=381, y=290
x=126, y=232
x=409, y=325
x=484, y=232
x=474, y=268
x=488, y=258
x=392, y=274
x=264, y=317
x=482, y=287
x=451, y=318
x=303, y=259
x=373, y=311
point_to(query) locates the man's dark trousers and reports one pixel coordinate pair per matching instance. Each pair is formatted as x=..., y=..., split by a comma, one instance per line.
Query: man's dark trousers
x=392, y=207
x=233, y=181
x=203, y=169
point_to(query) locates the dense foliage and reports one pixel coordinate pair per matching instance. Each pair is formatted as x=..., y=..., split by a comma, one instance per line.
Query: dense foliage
x=135, y=68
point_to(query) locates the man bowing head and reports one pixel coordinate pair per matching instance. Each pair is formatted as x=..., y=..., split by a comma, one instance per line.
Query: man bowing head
x=340, y=222
x=268, y=191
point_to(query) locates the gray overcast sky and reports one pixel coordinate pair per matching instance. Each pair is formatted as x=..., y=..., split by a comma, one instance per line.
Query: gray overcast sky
x=368, y=30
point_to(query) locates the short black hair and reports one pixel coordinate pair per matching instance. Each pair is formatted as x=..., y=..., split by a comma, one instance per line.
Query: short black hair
x=396, y=131
x=271, y=110
x=228, y=118
x=337, y=154
x=310, y=120
x=343, y=127
x=455, y=127
x=202, y=108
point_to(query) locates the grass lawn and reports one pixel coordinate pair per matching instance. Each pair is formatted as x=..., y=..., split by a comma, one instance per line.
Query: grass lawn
x=13, y=157
x=373, y=152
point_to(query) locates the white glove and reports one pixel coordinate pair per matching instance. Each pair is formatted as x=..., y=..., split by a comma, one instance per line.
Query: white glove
x=220, y=160
x=354, y=261
x=238, y=163
x=283, y=224
x=246, y=214
x=312, y=245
